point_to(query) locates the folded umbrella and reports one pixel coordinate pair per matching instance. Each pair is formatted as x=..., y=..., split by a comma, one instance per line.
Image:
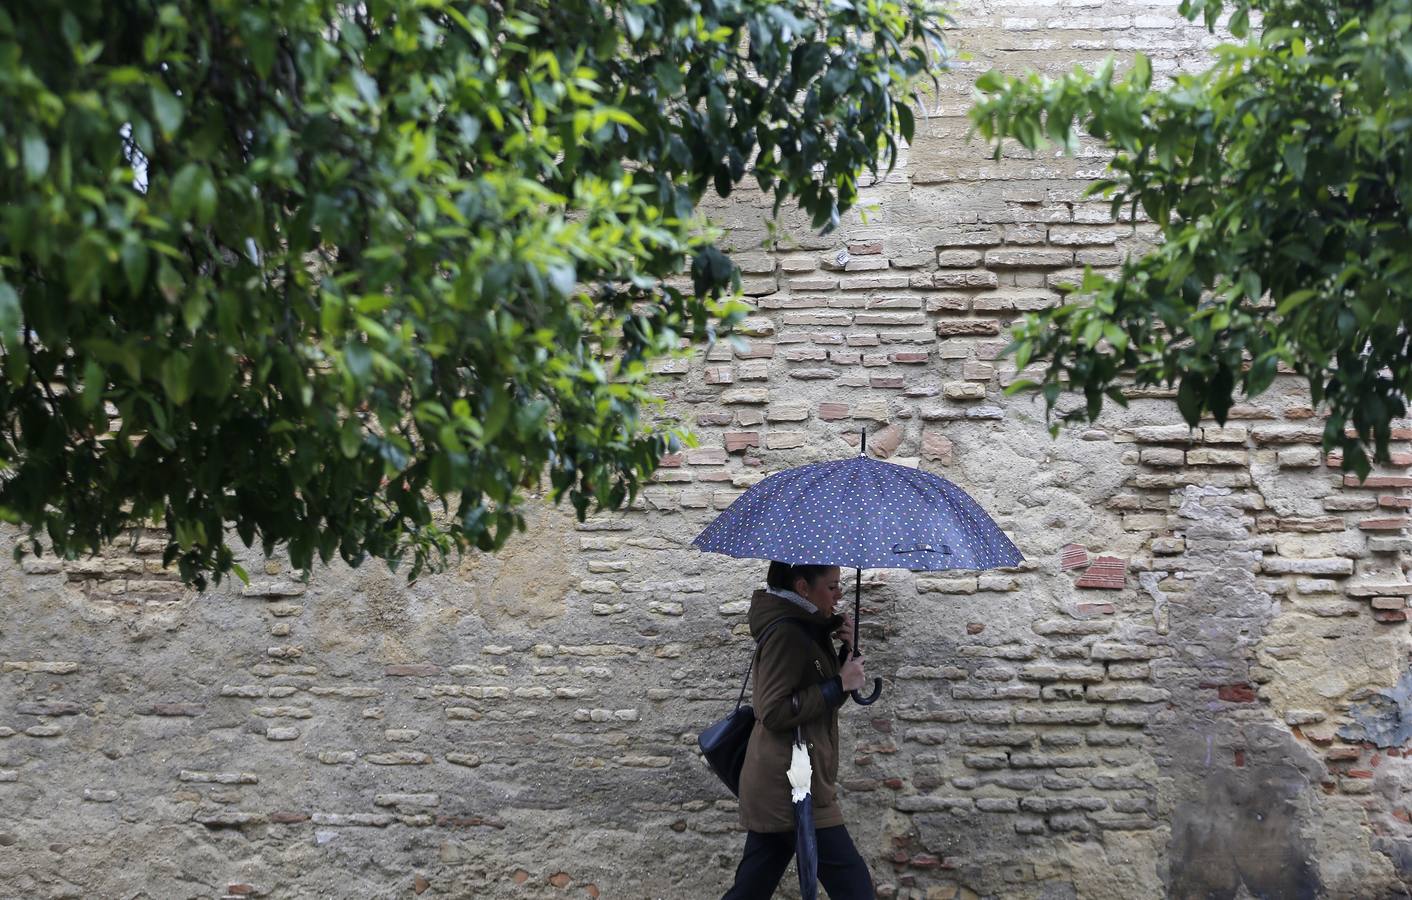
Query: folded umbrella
x=806, y=843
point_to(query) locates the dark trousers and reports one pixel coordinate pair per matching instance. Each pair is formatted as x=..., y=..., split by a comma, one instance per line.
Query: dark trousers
x=842, y=872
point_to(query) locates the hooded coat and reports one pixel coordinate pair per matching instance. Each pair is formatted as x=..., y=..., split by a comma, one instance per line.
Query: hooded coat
x=796, y=660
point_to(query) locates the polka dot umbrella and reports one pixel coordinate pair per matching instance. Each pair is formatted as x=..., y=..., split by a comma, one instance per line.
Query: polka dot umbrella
x=861, y=513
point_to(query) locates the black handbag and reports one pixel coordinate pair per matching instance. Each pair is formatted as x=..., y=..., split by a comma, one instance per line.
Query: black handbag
x=724, y=743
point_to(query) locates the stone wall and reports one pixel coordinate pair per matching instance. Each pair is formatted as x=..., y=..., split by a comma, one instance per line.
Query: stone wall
x=1193, y=688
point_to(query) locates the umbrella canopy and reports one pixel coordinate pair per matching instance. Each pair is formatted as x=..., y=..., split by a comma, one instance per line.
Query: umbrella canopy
x=862, y=513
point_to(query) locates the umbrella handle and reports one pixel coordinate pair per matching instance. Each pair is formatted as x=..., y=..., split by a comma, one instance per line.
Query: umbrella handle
x=871, y=698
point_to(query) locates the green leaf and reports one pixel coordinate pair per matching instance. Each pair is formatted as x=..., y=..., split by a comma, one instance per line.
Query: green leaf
x=35, y=152
x=176, y=377
x=1142, y=72
x=185, y=187
x=206, y=198
x=135, y=261
x=11, y=316
x=992, y=81
x=167, y=110
x=350, y=437
x=1190, y=397
x=1293, y=300
x=907, y=124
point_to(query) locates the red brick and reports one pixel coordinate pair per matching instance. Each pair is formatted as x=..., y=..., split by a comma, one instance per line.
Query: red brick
x=887, y=382
x=1396, y=434
x=831, y=412
x=1240, y=759
x=706, y=456
x=240, y=889
x=924, y=861
x=960, y=327
x=885, y=442
x=1359, y=773
x=1392, y=501
x=937, y=446
x=1400, y=458
x=1236, y=693
x=1342, y=754
x=1378, y=481
x=470, y=822
x=909, y=358
x=1390, y=616
x=420, y=884
x=865, y=248
x=670, y=461
x=736, y=441
x=560, y=879
x=975, y=627
x=1073, y=556
x=756, y=350
x=288, y=818
x=1107, y=573
x=175, y=709
x=1102, y=609
x=1391, y=524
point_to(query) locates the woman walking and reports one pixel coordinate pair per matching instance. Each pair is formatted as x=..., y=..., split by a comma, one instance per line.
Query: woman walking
x=801, y=681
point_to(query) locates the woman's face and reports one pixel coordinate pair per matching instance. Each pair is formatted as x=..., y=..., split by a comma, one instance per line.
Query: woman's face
x=825, y=592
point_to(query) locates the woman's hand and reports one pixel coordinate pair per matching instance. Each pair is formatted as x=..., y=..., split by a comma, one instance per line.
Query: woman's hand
x=845, y=631
x=852, y=674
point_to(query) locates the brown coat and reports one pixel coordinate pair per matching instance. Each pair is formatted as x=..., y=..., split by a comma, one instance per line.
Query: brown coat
x=792, y=660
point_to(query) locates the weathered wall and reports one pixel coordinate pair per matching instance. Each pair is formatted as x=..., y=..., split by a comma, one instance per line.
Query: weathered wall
x=1213, y=711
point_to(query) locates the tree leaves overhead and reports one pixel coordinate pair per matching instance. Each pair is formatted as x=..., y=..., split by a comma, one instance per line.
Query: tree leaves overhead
x=349, y=278
x=1281, y=178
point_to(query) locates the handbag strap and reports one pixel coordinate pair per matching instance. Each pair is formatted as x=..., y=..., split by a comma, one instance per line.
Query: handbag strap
x=751, y=665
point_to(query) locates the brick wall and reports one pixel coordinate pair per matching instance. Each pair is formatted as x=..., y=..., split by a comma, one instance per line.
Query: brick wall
x=1194, y=687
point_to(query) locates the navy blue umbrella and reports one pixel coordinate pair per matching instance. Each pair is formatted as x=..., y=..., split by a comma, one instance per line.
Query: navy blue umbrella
x=862, y=513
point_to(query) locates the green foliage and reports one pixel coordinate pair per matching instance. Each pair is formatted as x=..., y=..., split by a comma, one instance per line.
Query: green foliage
x=1281, y=178
x=350, y=278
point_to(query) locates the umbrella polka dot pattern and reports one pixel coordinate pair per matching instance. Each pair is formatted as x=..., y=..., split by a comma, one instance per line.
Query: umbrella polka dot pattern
x=862, y=513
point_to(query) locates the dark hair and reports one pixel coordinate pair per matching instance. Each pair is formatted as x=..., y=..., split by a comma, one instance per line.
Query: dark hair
x=782, y=575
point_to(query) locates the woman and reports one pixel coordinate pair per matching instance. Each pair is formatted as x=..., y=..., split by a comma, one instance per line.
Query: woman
x=800, y=680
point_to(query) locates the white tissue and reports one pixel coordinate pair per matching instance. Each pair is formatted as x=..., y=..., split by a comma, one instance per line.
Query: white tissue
x=800, y=773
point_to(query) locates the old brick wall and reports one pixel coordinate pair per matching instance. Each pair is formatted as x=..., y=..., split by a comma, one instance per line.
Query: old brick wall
x=1194, y=687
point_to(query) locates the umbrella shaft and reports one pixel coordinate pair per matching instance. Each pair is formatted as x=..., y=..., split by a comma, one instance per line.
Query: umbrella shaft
x=858, y=584
x=857, y=609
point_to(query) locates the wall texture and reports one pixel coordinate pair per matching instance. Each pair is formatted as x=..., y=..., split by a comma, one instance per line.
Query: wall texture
x=1196, y=687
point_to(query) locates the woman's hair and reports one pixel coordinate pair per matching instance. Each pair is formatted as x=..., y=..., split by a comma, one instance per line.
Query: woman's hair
x=782, y=575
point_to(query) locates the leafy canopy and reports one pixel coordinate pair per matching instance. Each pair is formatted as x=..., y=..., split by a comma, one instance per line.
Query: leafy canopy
x=1281, y=178
x=349, y=278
